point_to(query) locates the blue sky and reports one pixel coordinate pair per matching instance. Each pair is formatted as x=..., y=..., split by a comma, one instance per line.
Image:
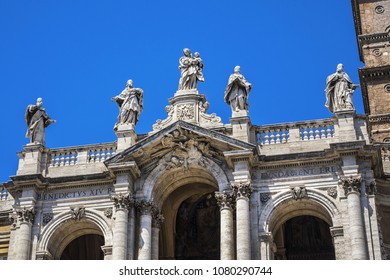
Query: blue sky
x=76, y=55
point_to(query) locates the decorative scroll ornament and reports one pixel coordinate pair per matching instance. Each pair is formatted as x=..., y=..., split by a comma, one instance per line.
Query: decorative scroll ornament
x=242, y=190
x=47, y=217
x=77, y=213
x=332, y=191
x=298, y=192
x=225, y=199
x=351, y=184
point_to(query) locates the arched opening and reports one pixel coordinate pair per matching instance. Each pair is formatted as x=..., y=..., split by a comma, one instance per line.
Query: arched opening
x=84, y=247
x=304, y=238
x=198, y=229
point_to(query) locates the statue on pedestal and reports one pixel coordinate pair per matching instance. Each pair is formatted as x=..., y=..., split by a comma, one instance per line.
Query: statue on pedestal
x=339, y=90
x=237, y=91
x=191, y=69
x=130, y=102
x=37, y=120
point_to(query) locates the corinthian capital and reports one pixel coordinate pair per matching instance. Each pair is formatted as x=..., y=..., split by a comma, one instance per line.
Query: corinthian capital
x=26, y=214
x=122, y=201
x=351, y=184
x=224, y=199
x=242, y=189
x=146, y=207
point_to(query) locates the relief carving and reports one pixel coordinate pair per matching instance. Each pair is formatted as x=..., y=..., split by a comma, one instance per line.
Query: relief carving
x=298, y=192
x=77, y=213
x=47, y=217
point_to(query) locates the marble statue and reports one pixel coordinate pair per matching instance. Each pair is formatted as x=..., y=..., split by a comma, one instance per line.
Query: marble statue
x=37, y=120
x=191, y=69
x=237, y=91
x=339, y=90
x=130, y=102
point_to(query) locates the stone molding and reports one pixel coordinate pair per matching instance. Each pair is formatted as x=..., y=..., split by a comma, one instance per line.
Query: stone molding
x=337, y=231
x=107, y=250
x=225, y=200
x=351, y=184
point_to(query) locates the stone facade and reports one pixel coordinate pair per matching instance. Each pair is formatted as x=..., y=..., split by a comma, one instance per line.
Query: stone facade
x=196, y=188
x=372, y=24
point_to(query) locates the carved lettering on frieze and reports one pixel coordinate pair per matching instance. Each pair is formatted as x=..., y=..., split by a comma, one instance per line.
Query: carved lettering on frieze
x=242, y=189
x=351, y=184
x=225, y=199
x=77, y=212
x=332, y=191
x=47, y=217
x=298, y=192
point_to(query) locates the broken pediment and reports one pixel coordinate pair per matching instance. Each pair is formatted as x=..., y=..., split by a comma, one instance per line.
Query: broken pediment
x=180, y=145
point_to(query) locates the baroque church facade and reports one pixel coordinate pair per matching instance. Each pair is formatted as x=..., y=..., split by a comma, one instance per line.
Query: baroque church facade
x=196, y=188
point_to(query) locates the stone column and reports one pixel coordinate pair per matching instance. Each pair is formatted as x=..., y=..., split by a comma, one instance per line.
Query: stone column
x=242, y=192
x=226, y=201
x=266, y=246
x=131, y=234
x=145, y=209
x=158, y=219
x=119, y=247
x=337, y=233
x=25, y=218
x=352, y=188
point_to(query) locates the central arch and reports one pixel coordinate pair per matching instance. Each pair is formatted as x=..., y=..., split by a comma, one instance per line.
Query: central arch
x=170, y=189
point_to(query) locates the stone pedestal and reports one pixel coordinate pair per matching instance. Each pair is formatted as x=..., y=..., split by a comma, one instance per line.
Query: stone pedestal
x=346, y=125
x=31, y=159
x=241, y=125
x=226, y=202
x=126, y=137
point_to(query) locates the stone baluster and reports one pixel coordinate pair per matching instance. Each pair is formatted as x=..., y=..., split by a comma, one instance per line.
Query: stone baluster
x=145, y=209
x=122, y=203
x=157, y=221
x=352, y=188
x=226, y=203
x=25, y=217
x=242, y=193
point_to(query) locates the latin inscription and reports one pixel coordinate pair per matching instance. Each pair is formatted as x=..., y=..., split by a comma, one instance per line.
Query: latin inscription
x=299, y=172
x=75, y=194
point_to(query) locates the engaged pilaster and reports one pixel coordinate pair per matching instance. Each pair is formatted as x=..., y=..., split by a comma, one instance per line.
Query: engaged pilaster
x=157, y=220
x=242, y=193
x=226, y=203
x=352, y=189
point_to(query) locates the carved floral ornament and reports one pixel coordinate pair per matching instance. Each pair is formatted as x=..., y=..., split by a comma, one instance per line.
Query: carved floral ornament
x=332, y=191
x=47, y=217
x=351, y=184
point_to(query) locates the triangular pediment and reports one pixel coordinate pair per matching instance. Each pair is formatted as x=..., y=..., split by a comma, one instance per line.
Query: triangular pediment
x=179, y=144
